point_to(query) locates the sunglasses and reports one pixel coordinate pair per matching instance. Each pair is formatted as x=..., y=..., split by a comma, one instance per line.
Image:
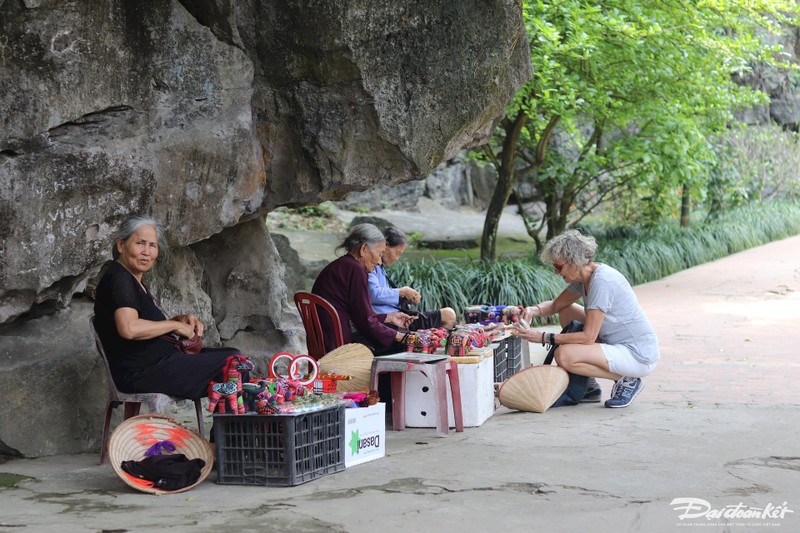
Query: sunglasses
x=559, y=268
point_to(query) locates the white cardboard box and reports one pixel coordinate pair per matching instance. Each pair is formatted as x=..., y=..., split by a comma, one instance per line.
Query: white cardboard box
x=477, y=396
x=364, y=434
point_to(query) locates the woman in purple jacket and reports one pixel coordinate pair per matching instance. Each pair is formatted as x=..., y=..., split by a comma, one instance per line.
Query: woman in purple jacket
x=344, y=284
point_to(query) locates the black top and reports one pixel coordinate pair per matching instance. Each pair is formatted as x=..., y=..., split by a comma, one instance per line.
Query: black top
x=118, y=288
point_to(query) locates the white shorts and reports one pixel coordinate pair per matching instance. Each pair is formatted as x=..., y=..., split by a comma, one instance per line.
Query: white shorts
x=621, y=361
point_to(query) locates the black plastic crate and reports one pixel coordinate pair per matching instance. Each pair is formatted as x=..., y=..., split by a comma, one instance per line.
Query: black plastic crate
x=507, y=358
x=500, y=361
x=279, y=450
x=513, y=356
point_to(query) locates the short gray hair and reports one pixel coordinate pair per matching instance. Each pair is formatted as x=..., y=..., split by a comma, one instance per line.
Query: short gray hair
x=130, y=226
x=572, y=247
x=359, y=234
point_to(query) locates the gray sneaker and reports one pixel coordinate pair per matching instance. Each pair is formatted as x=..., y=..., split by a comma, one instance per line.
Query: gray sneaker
x=625, y=390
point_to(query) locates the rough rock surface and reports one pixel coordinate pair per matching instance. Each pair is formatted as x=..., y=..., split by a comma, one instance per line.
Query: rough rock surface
x=206, y=114
x=458, y=182
x=780, y=84
x=455, y=183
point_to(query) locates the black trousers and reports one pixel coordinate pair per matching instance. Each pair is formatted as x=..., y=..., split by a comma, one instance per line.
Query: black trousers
x=181, y=375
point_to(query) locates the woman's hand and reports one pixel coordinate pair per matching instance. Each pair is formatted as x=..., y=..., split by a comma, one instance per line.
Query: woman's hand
x=530, y=335
x=191, y=326
x=410, y=294
x=399, y=319
x=182, y=329
x=131, y=327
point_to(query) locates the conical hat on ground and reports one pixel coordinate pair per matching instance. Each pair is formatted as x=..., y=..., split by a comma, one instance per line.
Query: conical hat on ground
x=534, y=389
x=134, y=436
x=352, y=360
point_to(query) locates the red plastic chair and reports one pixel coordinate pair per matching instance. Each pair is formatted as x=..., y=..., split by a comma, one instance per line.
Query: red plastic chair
x=308, y=305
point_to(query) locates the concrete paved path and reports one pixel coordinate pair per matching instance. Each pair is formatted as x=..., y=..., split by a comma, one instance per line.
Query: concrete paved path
x=718, y=422
x=730, y=329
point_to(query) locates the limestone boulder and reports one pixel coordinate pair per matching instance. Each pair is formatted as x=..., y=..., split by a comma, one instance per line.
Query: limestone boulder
x=785, y=110
x=178, y=282
x=118, y=108
x=458, y=182
x=207, y=114
x=252, y=308
x=55, y=385
x=373, y=92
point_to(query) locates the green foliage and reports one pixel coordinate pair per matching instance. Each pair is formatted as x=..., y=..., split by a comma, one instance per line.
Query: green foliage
x=512, y=282
x=414, y=238
x=641, y=254
x=441, y=283
x=754, y=163
x=323, y=210
x=647, y=255
x=457, y=284
x=635, y=88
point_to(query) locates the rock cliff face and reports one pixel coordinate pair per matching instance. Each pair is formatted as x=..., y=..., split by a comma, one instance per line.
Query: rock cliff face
x=206, y=114
x=779, y=84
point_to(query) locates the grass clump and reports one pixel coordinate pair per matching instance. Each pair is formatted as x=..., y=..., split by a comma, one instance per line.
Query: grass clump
x=458, y=283
x=642, y=255
x=659, y=252
x=9, y=481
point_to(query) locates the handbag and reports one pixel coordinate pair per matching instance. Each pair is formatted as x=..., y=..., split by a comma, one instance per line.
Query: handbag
x=190, y=346
x=576, y=389
x=408, y=307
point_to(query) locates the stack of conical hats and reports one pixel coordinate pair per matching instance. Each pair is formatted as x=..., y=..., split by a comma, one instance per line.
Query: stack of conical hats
x=352, y=360
x=534, y=389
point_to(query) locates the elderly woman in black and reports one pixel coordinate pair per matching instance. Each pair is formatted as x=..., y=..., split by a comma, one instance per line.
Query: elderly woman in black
x=131, y=325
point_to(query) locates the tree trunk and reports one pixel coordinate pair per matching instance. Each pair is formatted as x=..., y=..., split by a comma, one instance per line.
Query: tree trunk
x=500, y=196
x=685, y=207
x=468, y=183
x=506, y=175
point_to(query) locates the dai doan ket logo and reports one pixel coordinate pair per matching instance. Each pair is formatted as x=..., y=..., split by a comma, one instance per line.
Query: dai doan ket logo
x=357, y=444
x=699, y=508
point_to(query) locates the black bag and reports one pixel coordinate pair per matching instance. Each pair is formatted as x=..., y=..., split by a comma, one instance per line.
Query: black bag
x=576, y=389
x=405, y=305
x=408, y=307
x=167, y=472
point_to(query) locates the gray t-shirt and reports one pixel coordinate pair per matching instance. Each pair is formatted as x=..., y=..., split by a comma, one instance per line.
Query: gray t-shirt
x=625, y=322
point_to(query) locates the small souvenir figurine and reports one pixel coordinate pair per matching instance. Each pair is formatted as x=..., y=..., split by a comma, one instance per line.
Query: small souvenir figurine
x=512, y=314
x=459, y=342
x=251, y=392
x=225, y=391
x=426, y=340
x=267, y=401
x=472, y=314
x=491, y=313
